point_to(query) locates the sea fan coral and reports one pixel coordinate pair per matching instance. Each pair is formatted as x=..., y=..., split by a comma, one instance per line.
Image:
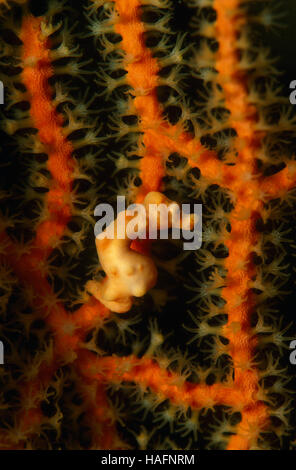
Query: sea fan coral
x=180, y=97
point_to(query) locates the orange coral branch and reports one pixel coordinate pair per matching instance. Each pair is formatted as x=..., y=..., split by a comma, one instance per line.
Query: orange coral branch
x=36, y=73
x=142, y=76
x=147, y=372
x=68, y=329
x=159, y=137
x=243, y=238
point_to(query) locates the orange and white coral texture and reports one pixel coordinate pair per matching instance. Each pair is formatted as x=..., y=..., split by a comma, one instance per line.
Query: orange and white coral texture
x=160, y=100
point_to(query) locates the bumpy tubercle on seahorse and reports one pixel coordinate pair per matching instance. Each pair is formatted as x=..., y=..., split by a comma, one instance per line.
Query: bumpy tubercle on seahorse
x=129, y=273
